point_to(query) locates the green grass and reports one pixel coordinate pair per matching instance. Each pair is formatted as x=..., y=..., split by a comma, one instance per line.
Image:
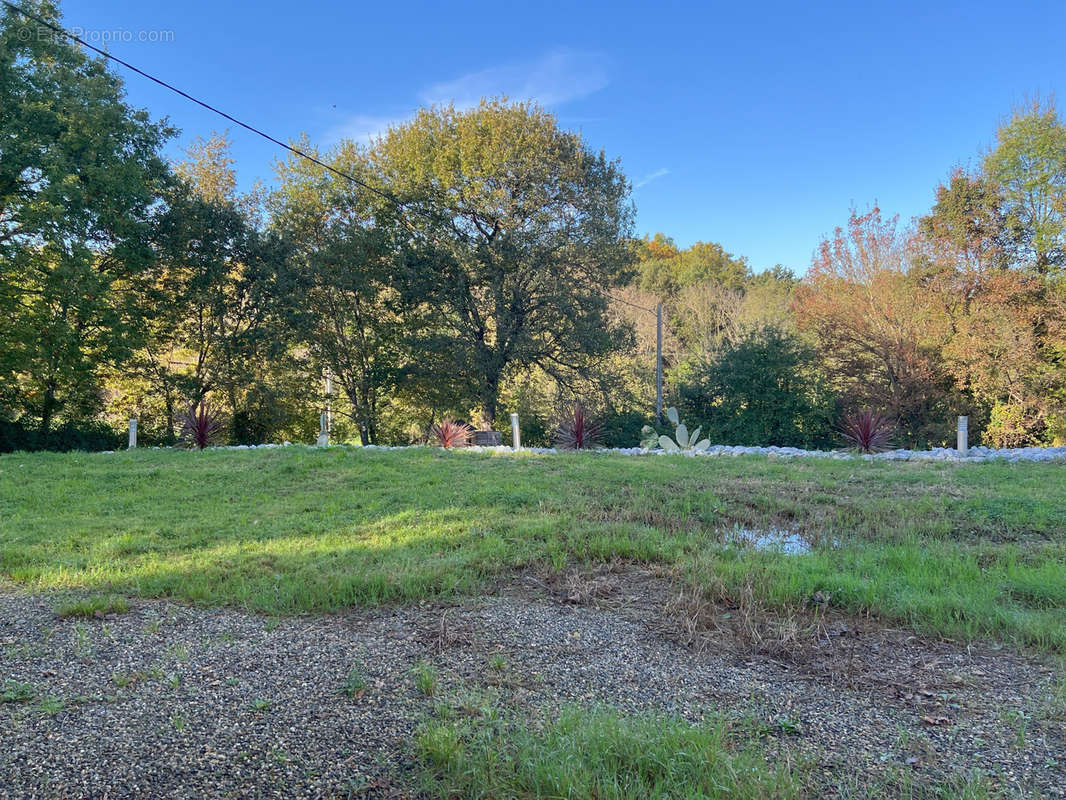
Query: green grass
x=974, y=551
x=594, y=753
x=93, y=606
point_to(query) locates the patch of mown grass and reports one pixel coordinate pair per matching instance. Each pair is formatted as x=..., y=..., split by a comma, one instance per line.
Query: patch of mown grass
x=95, y=606
x=973, y=550
x=594, y=753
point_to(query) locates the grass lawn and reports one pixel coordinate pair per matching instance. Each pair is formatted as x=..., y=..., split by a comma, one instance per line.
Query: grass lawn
x=970, y=550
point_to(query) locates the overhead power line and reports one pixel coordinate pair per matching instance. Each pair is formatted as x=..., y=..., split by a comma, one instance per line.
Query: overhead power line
x=296, y=151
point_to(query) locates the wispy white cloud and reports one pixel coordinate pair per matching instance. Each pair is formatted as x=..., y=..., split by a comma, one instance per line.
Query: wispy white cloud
x=651, y=176
x=551, y=80
x=361, y=128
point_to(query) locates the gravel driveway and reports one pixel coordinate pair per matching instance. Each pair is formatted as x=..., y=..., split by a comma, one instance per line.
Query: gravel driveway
x=168, y=700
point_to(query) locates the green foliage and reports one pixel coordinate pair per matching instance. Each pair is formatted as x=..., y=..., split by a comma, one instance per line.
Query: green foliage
x=80, y=174
x=520, y=229
x=88, y=436
x=623, y=428
x=594, y=752
x=1029, y=163
x=763, y=390
x=94, y=606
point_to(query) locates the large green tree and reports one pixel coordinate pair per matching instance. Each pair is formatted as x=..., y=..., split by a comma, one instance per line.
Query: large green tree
x=515, y=230
x=80, y=173
x=1029, y=165
x=346, y=308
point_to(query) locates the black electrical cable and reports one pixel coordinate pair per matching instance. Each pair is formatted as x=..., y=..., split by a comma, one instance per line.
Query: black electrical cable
x=61, y=31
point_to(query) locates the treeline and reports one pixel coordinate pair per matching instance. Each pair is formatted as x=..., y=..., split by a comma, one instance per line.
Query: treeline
x=481, y=261
x=960, y=312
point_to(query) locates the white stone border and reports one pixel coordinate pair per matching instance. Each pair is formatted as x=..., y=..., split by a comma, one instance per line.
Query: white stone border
x=973, y=455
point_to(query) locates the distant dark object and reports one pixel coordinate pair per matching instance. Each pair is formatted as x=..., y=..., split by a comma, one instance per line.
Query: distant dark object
x=451, y=434
x=487, y=438
x=869, y=431
x=577, y=430
x=201, y=427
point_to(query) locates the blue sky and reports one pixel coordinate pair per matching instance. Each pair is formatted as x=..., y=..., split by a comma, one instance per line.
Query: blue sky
x=756, y=126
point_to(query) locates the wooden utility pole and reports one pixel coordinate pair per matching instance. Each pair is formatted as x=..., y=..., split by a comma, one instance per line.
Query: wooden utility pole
x=659, y=362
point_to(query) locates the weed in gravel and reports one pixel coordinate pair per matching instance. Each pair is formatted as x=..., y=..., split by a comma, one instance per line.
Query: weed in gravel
x=231, y=681
x=1019, y=722
x=16, y=692
x=174, y=680
x=179, y=722
x=95, y=606
x=497, y=663
x=51, y=705
x=179, y=651
x=594, y=753
x=83, y=646
x=354, y=682
x=260, y=705
x=425, y=678
x=122, y=680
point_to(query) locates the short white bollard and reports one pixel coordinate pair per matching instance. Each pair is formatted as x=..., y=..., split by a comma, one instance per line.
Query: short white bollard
x=963, y=443
x=133, y=433
x=514, y=432
x=323, y=430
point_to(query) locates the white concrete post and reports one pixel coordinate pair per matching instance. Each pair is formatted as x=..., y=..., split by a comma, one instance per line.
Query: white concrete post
x=514, y=432
x=963, y=435
x=323, y=430
x=133, y=433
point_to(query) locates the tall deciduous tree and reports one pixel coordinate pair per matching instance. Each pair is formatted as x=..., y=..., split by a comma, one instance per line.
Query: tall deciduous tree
x=79, y=175
x=879, y=342
x=1029, y=164
x=516, y=229
x=345, y=307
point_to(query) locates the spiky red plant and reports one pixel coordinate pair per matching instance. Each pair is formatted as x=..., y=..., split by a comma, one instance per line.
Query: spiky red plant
x=452, y=434
x=201, y=426
x=868, y=430
x=577, y=430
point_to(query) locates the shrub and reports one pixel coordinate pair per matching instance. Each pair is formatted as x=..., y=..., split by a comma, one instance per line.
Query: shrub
x=88, y=436
x=622, y=428
x=764, y=389
x=201, y=427
x=868, y=431
x=451, y=434
x=577, y=430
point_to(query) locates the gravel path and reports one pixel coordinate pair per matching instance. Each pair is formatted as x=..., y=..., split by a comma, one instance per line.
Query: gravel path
x=167, y=700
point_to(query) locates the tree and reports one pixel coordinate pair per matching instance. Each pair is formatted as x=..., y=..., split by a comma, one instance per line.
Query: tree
x=668, y=272
x=1029, y=164
x=347, y=310
x=514, y=230
x=965, y=266
x=79, y=175
x=874, y=327
x=764, y=389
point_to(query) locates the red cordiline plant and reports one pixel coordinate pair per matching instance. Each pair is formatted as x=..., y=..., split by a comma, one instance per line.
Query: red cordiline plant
x=868, y=430
x=201, y=426
x=577, y=430
x=451, y=434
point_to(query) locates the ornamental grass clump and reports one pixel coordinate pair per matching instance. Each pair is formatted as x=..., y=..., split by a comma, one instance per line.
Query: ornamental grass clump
x=867, y=430
x=201, y=426
x=577, y=430
x=451, y=434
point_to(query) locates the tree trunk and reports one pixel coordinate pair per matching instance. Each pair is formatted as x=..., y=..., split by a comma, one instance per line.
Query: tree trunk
x=49, y=406
x=490, y=394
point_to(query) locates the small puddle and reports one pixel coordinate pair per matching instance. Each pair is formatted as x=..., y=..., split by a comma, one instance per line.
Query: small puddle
x=777, y=540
